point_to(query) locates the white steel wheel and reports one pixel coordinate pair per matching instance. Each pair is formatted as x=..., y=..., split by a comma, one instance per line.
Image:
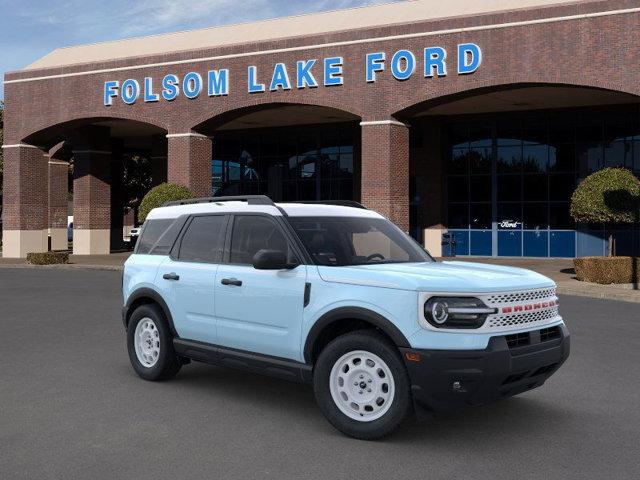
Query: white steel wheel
x=362, y=386
x=146, y=340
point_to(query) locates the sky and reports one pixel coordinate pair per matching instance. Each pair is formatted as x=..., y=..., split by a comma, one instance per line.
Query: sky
x=29, y=29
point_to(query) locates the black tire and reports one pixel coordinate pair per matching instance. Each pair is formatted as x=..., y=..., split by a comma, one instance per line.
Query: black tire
x=373, y=342
x=168, y=363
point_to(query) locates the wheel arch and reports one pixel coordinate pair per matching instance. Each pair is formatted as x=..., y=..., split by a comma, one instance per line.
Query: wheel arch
x=344, y=319
x=145, y=296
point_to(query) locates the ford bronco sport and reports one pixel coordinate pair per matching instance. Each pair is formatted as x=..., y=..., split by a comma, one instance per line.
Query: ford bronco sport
x=337, y=296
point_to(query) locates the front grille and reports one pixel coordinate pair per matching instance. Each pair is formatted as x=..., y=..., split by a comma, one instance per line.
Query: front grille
x=515, y=297
x=516, y=319
x=518, y=340
x=550, y=333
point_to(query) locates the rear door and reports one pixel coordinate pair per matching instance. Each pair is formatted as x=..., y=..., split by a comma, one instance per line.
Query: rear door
x=188, y=277
x=259, y=310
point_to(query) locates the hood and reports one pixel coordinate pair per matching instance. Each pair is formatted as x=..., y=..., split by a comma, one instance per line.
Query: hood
x=438, y=277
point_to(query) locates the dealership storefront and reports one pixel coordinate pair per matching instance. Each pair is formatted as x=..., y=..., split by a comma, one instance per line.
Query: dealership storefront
x=461, y=119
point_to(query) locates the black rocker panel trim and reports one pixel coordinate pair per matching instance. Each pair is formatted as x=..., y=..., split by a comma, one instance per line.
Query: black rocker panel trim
x=242, y=360
x=352, y=313
x=155, y=297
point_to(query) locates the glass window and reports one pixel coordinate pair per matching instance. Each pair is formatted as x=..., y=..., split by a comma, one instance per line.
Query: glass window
x=204, y=240
x=535, y=158
x=458, y=189
x=561, y=187
x=535, y=216
x=559, y=217
x=151, y=232
x=509, y=159
x=509, y=187
x=510, y=216
x=618, y=154
x=458, y=216
x=252, y=233
x=340, y=241
x=481, y=188
x=534, y=188
x=480, y=160
x=459, y=161
x=480, y=216
x=562, y=158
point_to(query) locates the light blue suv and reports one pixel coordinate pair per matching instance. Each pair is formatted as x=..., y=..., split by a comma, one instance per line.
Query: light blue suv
x=337, y=296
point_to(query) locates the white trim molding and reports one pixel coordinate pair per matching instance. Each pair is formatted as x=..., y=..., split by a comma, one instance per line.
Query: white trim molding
x=21, y=145
x=58, y=162
x=383, y=122
x=190, y=134
x=477, y=28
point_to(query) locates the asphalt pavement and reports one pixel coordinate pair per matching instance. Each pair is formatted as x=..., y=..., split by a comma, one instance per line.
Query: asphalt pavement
x=71, y=407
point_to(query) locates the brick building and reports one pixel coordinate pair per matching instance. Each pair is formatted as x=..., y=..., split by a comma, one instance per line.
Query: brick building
x=474, y=117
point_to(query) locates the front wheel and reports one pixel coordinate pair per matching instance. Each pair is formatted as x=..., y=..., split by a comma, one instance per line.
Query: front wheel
x=150, y=344
x=361, y=385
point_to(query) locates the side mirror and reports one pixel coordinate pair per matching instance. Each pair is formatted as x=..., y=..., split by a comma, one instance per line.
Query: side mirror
x=272, y=260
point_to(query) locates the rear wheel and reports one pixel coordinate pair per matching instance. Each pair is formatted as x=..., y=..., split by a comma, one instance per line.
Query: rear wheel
x=361, y=385
x=150, y=344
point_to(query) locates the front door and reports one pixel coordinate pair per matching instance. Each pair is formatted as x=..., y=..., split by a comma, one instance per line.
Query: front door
x=259, y=310
x=188, y=278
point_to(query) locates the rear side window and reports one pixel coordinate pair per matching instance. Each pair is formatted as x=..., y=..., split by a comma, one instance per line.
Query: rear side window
x=204, y=240
x=151, y=232
x=252, y=233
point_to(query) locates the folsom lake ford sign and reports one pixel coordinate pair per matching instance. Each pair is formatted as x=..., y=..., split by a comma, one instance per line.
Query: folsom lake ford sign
x=309, y=73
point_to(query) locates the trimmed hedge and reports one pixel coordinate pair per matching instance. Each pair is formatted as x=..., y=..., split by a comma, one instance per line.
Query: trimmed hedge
x=48, y=258
x=607, y=270
x=611, y=195
x=157, y=196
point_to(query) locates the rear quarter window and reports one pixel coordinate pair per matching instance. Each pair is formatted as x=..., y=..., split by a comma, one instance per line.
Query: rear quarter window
x=151, y=232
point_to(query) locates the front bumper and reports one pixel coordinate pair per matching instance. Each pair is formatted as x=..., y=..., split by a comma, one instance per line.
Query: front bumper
x=511, y=364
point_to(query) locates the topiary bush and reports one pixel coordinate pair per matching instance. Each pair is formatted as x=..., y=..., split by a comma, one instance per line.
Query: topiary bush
x=607, y=270
x=157, y=196
x=48, y=258
x=611, y=195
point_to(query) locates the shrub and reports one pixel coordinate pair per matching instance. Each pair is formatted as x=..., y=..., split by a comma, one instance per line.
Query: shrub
x=48, y=258
x=157, y=196
x=611, y=195
x=607, y=270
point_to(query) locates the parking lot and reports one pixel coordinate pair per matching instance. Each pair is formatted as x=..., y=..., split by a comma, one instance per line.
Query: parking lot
x=71, y=406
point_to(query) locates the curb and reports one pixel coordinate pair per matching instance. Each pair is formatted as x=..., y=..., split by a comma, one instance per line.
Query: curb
x=618, y=296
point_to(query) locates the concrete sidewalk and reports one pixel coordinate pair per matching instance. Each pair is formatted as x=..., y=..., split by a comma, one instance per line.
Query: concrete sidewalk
x=559, y=270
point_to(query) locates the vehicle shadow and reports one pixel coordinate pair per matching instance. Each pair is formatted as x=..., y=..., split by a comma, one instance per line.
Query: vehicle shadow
x=295, y=402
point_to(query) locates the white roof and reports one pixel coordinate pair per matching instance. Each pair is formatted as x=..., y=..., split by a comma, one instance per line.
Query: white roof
x=286, y=27
x=292, y=209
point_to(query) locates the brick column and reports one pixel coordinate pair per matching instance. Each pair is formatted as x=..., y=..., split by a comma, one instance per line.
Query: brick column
x=25, y=211
x=158, y=160
x=58, y=191
x=189, y=162
x=385, y=170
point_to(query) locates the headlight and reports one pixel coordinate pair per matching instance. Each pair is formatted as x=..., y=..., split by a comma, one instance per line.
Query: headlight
x=456, y=312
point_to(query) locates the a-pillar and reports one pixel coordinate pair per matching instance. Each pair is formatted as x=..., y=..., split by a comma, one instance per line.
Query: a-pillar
x=25, y=212
x=158, y=160
x=385, y=169
x=58, y=191
x=189, y=162
x=92, y=192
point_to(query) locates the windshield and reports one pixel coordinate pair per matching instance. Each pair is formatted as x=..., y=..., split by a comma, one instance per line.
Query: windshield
x=342, y=241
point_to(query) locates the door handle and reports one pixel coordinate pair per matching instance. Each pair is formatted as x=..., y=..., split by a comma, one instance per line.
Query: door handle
x=231, y=281
x=171, y=276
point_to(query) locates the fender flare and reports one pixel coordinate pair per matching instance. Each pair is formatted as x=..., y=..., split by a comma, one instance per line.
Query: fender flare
x=156, y=298
x=353, y=313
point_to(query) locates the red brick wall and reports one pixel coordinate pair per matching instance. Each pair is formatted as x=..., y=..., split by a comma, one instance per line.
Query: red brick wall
x=189, y=163
x=25, y=189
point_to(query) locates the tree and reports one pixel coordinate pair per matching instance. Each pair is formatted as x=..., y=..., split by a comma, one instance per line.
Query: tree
x=609, y=196
x=165, y=192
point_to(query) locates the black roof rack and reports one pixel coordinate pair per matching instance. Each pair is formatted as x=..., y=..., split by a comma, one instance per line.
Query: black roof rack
x=250, y=199
x=341, y=203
